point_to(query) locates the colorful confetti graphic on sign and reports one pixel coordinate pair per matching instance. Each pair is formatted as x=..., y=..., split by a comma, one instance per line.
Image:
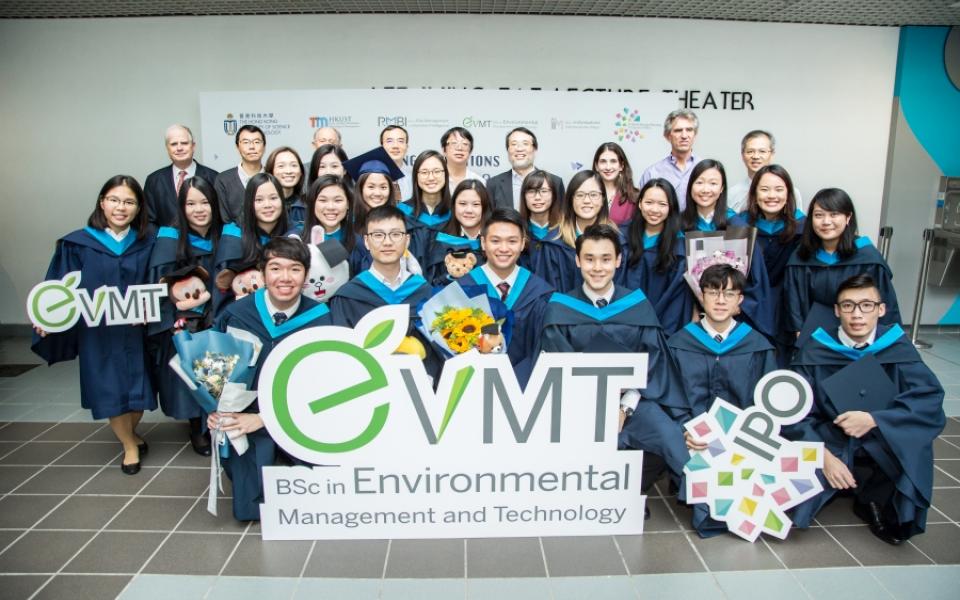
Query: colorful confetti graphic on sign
x=748, y=475
x=626, y=127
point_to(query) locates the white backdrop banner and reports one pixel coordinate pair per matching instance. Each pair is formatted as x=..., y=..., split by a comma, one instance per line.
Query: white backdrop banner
x=569, y=125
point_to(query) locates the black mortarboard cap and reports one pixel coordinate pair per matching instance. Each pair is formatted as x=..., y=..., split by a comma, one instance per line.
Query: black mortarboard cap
x=373, y=161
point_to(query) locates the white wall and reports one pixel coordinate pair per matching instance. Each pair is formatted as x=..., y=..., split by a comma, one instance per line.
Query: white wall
x=85, y=99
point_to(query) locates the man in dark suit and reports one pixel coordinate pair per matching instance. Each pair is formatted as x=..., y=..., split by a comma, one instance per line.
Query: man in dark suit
x=521, y=151
x=230, y=185
x=163, y=185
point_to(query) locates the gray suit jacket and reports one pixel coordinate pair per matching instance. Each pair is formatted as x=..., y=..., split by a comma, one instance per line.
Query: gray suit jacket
x=501, y=190
x=230, y=192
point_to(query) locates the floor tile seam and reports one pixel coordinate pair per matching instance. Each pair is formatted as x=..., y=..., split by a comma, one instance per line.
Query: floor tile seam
x=686, y=535
x=946, y=441
x=786, y=568
x=623, y=559
x=466, y=572
x=948, y=475
x=34, y=438
x=160, y=545
x=303, y=569
x=917, y=548
x=147, y=531
x=50, y=464
x=226, y=561
x=943, y=358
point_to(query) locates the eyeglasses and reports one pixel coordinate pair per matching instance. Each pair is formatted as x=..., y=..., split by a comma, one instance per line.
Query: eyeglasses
x=519, y=145
x=544, y=191
x=249, y=143
x=378, y=237
x=729, y=295
x=458, y=145
x=430, y=173
x=118, y=202
x=585, y=195
x=757, y=152
x=865, y=306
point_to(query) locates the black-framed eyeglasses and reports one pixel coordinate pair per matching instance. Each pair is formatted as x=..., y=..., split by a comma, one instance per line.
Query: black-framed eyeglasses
x=865, y=306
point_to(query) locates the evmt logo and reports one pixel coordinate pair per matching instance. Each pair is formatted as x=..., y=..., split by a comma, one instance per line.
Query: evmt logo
x=474, y=122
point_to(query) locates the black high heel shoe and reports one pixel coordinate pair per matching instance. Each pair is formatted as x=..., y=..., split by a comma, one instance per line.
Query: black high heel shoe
x=132, y=468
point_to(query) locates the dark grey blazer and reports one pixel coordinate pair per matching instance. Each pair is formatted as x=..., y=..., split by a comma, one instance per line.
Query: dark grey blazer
x=501, y=190
x=230, y=192
x=161, y=194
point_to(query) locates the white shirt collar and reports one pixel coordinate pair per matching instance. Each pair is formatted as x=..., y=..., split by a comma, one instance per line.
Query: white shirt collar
x=847, y=341
x=402, y=276
x=713, y=333
x=592, y=295
x=495, y=279
x=274, y=310
x=191, y=171
x=118, y=236
x=244, y=178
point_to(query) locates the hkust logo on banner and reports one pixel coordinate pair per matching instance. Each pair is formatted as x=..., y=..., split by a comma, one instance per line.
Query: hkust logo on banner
x=478, y=457
x=58, y=304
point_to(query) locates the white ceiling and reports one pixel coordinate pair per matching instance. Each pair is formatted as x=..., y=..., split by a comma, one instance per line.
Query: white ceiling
x=866, y=12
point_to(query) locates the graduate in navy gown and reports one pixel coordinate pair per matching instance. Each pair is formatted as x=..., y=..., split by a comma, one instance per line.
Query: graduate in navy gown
x=429, y=206
x=706, y=210
x=192, y=242
x=598, y=316
x=719, y=357
x=285, y=165
x=461, y=234
x=264, y=217
x=112, y=250
x=656, y=258
x=540, y=210
x=884, y=456
x=585, y=204
x=329, y=204
x=830, y=252
x=387, y=281
x=375, y=174
x=503, y=237
x=271, y=314
x=772, y=210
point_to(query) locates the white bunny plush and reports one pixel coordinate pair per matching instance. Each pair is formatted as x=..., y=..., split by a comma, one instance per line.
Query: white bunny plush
x=329, y=268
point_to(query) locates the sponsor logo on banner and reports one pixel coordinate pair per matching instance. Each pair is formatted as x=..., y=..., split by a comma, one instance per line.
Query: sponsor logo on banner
x=269, y=122
x=473, y=122
x=400, y=120
x=629, y=126
x=749, y=475
x=475, y=456
x=57, y=304
x=338, y=121
x=558, y=123
x=230, y=125
x=576, y=166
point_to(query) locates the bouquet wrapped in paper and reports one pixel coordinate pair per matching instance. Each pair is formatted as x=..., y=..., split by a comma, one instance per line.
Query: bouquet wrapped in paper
x=218, y=368
x=707, y=248
x=458, y=319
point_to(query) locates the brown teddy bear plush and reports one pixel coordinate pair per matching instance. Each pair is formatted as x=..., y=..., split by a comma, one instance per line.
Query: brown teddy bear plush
x=491, y=339
x=459, y=263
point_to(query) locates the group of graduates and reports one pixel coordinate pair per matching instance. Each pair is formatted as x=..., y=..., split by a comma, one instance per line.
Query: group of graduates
x=816, y=297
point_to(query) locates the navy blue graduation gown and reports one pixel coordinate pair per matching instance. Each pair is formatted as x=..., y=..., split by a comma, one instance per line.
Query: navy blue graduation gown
x=570, y=324
x=365, y=292
x=175, y=398
x=527, y=299
x=296, y=213
x=902, y=442
x=556, y=263
x=250, y=314
x=114, y=367
x=711, y=369
x=815, y=281
x=421, y=229
x=668, y=291
x=776, y=255
x=434, y=269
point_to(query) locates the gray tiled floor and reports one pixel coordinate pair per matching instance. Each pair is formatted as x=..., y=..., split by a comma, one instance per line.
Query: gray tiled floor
x=73, y=526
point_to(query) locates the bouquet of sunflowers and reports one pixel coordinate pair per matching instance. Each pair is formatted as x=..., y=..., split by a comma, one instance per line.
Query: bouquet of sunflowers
x=461, y=327
x=457, y=320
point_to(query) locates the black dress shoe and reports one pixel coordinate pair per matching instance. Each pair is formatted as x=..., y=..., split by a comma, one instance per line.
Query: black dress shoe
x=199, y=439
x=872, y=516
x=131, y=469
x=200, y=443
x=143, y=448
